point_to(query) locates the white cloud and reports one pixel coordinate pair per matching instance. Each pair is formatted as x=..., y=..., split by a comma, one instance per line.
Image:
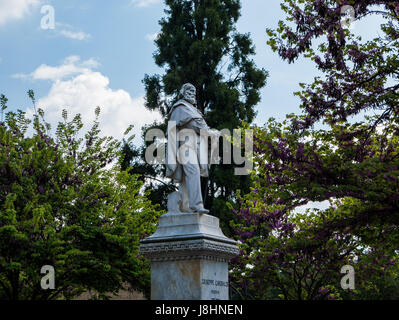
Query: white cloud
x=70, y=66
x=152, y=37
x=79, y=35
x=15, y=9
x=20, y=76
x=144, y=3
x=90, y=63
x=71, y=32
x=78, y=88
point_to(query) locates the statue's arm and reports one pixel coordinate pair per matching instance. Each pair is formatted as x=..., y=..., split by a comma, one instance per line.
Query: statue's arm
x=181, y=116
x=197, y=125
x=184, y=118
x=200, y=124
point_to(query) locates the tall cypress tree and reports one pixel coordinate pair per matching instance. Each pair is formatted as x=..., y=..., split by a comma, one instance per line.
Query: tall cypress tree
x=199, y=44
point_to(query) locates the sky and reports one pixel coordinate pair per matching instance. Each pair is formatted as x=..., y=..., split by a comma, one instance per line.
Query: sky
x=99, y=51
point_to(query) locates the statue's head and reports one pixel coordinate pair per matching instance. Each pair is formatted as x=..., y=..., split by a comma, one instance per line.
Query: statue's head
x=188, y=93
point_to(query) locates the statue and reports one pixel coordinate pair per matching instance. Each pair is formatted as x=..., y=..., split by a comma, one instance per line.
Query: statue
x=187, y=157
x=187, y=238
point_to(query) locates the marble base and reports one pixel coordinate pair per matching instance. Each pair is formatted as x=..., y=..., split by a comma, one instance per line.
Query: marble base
x=189, y=258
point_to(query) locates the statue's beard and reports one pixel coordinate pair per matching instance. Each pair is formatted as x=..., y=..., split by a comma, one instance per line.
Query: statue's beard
x=192, y=100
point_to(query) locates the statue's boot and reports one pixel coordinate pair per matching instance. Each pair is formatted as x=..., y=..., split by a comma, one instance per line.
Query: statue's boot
x=200, y=209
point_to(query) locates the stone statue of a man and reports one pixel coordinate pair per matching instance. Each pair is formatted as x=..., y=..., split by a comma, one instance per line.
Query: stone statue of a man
x=187, y=153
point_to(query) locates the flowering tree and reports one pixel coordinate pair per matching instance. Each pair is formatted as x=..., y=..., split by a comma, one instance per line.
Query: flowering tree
x=352, y=162
x=290, y=255
x=65, y=203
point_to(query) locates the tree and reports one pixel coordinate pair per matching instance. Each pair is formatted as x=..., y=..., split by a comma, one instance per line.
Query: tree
x=64, y=202
x=292, y=256
x=353, y=161
x=199, y=44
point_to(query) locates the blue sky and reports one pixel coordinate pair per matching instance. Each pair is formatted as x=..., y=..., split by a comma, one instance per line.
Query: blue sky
x=99, y=51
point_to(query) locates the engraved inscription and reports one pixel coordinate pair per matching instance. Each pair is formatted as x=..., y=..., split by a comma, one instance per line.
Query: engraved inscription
x=221, y=283
x=207, y=282
x=217, y=283
x=214, y=287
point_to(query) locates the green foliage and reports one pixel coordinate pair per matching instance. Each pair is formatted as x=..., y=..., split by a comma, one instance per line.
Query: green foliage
x=64, y=202
x=352, y=163
x=300, y=255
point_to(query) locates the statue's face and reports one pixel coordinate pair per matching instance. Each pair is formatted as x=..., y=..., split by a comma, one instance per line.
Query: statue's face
x=191, y=95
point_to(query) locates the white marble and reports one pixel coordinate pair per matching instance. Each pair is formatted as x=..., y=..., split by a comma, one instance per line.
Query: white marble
x=188, y=225
x=189, y=253
x=188, y=157
x=189, y=257
x=189, y=280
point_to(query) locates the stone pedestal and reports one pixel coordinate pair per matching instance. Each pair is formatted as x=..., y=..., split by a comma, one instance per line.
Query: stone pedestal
x=189, y=258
